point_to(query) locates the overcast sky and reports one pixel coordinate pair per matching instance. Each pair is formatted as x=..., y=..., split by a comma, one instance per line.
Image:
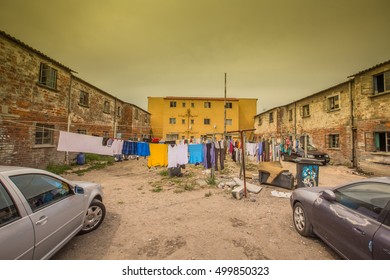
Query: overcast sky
x=275, y=50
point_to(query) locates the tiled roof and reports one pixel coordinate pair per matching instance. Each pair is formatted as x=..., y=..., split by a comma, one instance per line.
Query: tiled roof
x=13, y=39
x=373, y=67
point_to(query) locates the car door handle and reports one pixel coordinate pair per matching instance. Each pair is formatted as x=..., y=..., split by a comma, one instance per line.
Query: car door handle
x=42, y=220
x=362, y=232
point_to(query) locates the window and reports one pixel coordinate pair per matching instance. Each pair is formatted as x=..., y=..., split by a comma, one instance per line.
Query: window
x=136, y=114
x=172, y=104
x=333, y=103
x=146, y=119
x=8, y=211
x=84, y=98
x=48, y=76
x=192, y=105
x=382, y=82
x=172, y=120
x=207, y=104
x=290, y=115
x=192, y=121
x=229, y=121
x=229, y=105
x=368, y=199
x=183, y=121
x=306, y=110
x=382, y=141
x=260, y=121
x=334, y=141
x=81, y=131
x=118, y=111
x=206, y=121
x=106, y=108
x=183, y=104
x=44, y=134
x=41, y=190
x=271, y=117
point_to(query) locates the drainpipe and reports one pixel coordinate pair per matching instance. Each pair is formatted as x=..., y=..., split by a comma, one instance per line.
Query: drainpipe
x=353, y=128
x=69, y=114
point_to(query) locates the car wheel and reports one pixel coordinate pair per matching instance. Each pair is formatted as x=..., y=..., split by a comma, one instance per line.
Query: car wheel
x=94, y=216
x=301, y=221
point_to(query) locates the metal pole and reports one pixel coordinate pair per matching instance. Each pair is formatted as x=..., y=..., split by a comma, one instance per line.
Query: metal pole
x=224, y=120
x=243, y=152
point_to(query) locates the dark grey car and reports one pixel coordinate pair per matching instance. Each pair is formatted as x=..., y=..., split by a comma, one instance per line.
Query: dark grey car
x=353, y=219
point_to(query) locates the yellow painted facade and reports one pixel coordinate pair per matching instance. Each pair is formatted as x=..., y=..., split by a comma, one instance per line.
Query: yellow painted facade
x=175, y=118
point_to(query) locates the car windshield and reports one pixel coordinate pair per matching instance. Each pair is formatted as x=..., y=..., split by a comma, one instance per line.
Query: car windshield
x=311, y=148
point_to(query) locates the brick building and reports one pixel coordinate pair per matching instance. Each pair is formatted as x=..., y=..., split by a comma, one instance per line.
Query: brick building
x=350, y=121
x=175, y=117
x=40, y=97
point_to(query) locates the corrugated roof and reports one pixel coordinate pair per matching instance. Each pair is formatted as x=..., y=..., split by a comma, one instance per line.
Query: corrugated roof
x=20, y=43
x=369, y=69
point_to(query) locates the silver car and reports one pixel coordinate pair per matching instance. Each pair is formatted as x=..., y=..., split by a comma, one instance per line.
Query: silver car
x=40, y=212
x=353, y=219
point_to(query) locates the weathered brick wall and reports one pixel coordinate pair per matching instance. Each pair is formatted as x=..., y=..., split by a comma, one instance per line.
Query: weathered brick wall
x=92, y=117
x=24, y=103
x=372, y=114
x=318, y=125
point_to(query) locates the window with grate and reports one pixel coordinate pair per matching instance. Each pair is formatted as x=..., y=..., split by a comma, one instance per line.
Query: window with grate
x=306, y=110
x=44, y=134
x=106, y=108
x=84, y=98
x=333, y=103
x=48, y=76
x=334, y=141
x=382, y=82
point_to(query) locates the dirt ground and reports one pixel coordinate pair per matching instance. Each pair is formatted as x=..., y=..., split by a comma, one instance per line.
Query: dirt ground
x=153, y=217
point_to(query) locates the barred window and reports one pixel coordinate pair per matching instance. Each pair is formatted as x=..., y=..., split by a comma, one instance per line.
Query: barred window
x=382, y=82
x=84, y=98
x=229, y=105
x=306, y=110
x=172, y=120
x=334, y=141
x=207, y=104
x=48, y=76
x=106, y=108
x=206, y=121
x=271, y=117
x=44, y=134
x=172, y=104
x=333, y=103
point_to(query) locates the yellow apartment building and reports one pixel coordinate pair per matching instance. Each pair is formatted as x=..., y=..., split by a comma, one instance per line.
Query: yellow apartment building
x=177, y=118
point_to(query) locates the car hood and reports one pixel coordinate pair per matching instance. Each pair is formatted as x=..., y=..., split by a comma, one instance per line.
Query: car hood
x=316, y=153
x=307, y=194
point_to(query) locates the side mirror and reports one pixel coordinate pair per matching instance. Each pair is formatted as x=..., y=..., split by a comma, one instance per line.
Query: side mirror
x=78, y=190
x=328, y=195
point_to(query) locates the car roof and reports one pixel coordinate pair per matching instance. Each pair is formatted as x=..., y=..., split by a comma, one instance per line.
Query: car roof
x=10, y=169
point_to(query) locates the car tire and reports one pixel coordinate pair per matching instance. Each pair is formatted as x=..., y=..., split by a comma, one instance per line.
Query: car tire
x=302, y=223
x=93, y=217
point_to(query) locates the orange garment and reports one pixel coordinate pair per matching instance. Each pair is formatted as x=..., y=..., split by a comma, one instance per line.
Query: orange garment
x=158, y=155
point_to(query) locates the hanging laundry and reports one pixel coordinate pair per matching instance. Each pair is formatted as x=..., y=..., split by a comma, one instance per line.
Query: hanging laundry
x=208, y=155
x=158, y=155
x=143, y=149
x=177, y=155
x=81, y=143
x=196, y=153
